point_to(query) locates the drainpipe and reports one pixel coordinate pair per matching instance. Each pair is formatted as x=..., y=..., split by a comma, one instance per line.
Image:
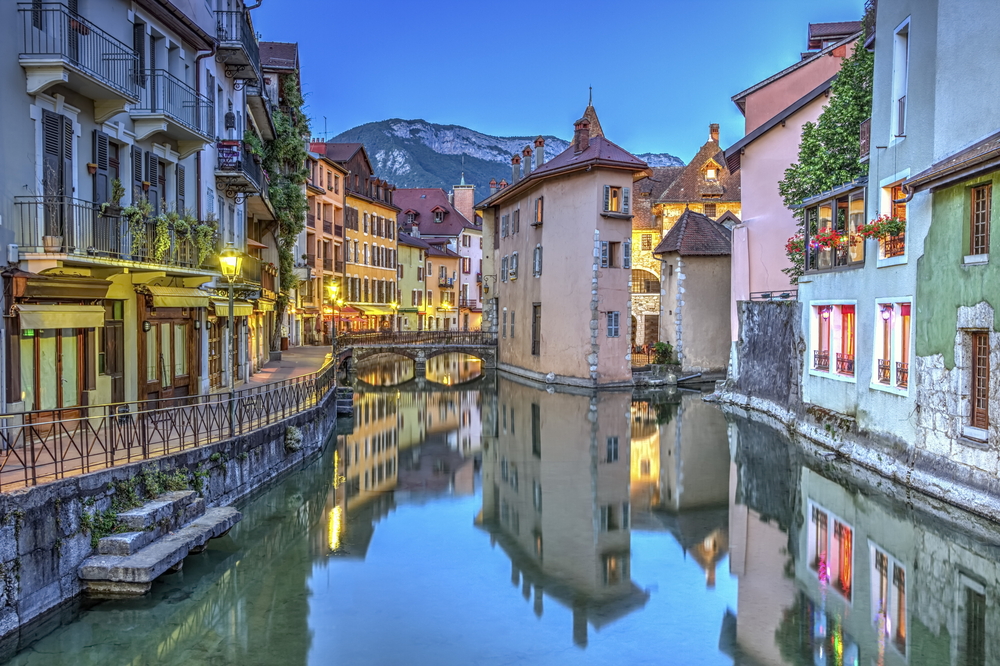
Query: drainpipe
x=255, y=5
x=907, y=191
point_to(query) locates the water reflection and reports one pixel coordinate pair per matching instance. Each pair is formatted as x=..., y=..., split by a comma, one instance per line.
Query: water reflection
x=451, y=369
x=392, y=370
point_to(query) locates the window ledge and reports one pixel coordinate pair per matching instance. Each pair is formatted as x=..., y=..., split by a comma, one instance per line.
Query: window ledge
x=976, y=436
x=975, y=259
x=851, y=379
x=892, y=261
x=889, y=388
x=617, y=216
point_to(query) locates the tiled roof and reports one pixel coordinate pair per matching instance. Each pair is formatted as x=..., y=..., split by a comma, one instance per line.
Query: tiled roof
x=600, y=150
x=696, y=235
x=963, y=164
x=690, y=185
x=423, y=201
x=279, y=55
x=658, y=182
x=440, y=251
x=837, y=29
x=341, y=152
x=407, y=239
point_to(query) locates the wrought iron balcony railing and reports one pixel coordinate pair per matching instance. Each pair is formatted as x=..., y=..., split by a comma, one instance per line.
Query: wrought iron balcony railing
x=865, y=138
x=240, y=167
x=821, y=360
x=338, y=266
x=50, y=31
x=894, y=246
x=163, y=95
x=311, y=220
x=446, y=283
x=338, y=231
x=845, y=364
x=238, y=49
x=884, y=370
x=74, y=227
x=327, y=227
x=902, y=374
x=327, y=263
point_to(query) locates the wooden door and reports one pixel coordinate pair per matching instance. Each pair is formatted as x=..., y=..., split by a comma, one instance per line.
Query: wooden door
x=214, y=353
x=114, y=357
x=58, y=367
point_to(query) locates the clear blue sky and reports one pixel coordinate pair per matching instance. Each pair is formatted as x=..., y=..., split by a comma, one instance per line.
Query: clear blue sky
x=662, y=70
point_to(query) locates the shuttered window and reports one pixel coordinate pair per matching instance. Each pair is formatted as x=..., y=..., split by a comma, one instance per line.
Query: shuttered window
x=513, y=266
x=181, y=187
x=980, y=379
x=627, y=254
x=539, y=209
x=614, y=324
x=102, y=158
x=605, y=254
x=537, y=263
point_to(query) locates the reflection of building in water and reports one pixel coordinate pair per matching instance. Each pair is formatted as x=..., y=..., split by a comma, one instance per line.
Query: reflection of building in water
x=874, y=581
x=385, y=370
x=370, y=453
x=451, y=369
x=556, y=498
x=680, y=460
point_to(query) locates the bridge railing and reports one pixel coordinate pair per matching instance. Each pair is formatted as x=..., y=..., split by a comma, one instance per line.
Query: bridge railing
x=406, y=338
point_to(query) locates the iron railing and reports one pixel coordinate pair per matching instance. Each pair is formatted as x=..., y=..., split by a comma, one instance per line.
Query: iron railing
x=338, y=266
x=468, y=303
x=393, y=338
x=327, y=227
x=902, y=374
x=251, y=270
x=41, y=446
x=446, y=283
x=63, y=225
x=338, y=230
x=327, y=263
x=162, y=93
x=884, y=370
x=310, y=260
x=821, y=360
x=311, y=220
x=49, y=30
x=785, y=295
x=234, y=31
x=901, y=116
x=235, y=158
x=845, y=364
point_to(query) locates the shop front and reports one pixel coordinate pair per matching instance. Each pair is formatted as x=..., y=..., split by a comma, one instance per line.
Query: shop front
x=169, y=352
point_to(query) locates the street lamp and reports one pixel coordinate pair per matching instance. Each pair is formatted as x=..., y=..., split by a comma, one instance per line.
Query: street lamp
x=395, y=316
x=231, y=261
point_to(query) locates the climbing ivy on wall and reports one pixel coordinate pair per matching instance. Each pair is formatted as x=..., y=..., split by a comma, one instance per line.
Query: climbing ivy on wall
x=285, y=163
x=829, y=151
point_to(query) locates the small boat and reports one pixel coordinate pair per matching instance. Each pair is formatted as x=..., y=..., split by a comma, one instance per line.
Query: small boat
x=345, y=400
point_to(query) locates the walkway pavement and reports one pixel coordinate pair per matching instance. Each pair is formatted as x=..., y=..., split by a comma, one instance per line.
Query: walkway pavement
x=295, y=361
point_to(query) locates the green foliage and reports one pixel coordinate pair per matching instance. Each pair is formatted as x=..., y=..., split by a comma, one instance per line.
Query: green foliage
x=127, y=495
x=203, y=233
x=829, y=149
x=135, y=216
x=254, y=143
x=157, y=482
x=663, y=352
x=161, y=235
x=101, y=524
x=198, y=480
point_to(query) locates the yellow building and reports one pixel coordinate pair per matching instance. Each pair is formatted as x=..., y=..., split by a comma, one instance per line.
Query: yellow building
x=441, y=276
x=370, y=246
x=704, y=186
x=371, y=452
x=324, y=245
x=411, y=282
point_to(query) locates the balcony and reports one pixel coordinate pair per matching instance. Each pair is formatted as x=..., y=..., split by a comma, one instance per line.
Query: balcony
x=821, y=360
x=251, y=271
x=60, y=47
x=238, y=49
x=327, y=227
x=338, y=231
x=866, y=139
x=446, y=283
x=76, y=229
x=260, y=108
x=893, y=246
x=845, y=364
x=884, y=371
x=171, y=107
x=338, y=266
x=238, y=171
x=310, y=260
x=311, y=220
x=260, y=206
x=902, y=374
x=468, y=304
x=328, y=264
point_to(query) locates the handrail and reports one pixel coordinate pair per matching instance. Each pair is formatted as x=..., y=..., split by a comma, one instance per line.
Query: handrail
x=41, y=446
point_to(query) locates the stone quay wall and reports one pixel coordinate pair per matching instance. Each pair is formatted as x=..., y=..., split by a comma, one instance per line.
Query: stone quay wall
x=43, y=532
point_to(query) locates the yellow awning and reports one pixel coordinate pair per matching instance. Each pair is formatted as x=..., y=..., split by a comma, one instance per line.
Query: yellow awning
x=61, y=316
x=240, y=308
x=374, y=309
x=265, y=306
x=178, y=297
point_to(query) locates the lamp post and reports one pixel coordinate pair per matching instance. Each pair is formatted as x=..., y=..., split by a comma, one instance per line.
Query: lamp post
x=395, y=315
x=231, y=261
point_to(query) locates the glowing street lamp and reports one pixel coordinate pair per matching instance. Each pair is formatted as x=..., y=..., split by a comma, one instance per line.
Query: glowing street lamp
x=231, y=261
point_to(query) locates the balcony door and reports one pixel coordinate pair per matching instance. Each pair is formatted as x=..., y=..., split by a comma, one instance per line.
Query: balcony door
x=53, y=362
x=57, y=172
x=167, y=358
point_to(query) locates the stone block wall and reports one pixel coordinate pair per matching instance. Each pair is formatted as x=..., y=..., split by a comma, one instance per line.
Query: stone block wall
x=770, y=352
x=43, y=536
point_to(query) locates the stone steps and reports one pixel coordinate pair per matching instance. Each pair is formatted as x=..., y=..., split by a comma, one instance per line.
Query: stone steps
x=164, y=532
x=152, y=521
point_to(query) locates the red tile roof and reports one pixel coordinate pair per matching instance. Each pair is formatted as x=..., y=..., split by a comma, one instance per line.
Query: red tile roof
x=341, y=152
x=423, y=201
x=691, y=185
x=279, y=55
x=839, y=29
x=600, y=150
x=696, y=235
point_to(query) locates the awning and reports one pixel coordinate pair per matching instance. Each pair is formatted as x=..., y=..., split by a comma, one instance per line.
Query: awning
x=375, y=309
x=347, y=309
x=265, y=306
x=61, y=316
x=255, y=244
x=178, y=297
x=240, y=308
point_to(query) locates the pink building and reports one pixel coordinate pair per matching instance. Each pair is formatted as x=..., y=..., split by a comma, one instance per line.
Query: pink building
x=775, y=110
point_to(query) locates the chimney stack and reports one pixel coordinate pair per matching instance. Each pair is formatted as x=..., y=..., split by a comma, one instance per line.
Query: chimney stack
x=503, y=183
x=539, y=152
x=527, y=160
x=493, y=186
x=415, y=230
x=713, y=132
x=515, y=169
x=581, y=135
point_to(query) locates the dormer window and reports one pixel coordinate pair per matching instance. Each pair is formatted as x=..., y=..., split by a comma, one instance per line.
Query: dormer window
x=439, y=217
x=409, y=219
x=711, y=173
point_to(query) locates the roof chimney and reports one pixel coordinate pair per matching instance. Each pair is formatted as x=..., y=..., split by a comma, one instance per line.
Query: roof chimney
x=503, y=183
x=713, y=132
x=493, y=186
x=527, y=160
x=581, y=135
x=515, y=169
x=539, y=152
x=415, y=230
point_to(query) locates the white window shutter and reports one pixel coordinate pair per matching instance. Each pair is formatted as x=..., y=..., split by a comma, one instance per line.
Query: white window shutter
x=625, y=198
x=607, y=197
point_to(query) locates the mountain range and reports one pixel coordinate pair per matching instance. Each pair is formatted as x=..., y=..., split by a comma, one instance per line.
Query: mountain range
x=417, y=153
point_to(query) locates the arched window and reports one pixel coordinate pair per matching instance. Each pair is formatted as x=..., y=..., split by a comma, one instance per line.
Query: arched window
x=644, y=282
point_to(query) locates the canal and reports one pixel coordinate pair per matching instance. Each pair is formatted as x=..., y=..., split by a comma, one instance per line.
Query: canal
x=498, y=522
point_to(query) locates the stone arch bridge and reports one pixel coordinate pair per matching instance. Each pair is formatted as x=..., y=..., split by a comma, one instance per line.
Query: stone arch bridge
x=418, y=346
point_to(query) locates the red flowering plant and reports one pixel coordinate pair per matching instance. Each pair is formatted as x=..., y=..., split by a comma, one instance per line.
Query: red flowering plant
x=829, y=238
x=882, y=227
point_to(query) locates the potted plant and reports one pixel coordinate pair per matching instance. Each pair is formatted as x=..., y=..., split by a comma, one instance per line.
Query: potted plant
x=883, y=227
x=113, y=206
x=52, y=244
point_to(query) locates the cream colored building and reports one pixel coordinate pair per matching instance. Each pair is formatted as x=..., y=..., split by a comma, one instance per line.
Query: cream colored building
x=562, y=315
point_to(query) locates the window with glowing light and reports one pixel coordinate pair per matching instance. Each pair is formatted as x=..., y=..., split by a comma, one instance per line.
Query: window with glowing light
x=831, y=551
x=888, y=597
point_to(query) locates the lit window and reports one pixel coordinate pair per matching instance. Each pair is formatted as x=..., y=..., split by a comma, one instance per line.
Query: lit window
x=888, y=592
x=833, y=332
x=711, y=173
x=892, y=344
x=831, y=551
x=616, y=199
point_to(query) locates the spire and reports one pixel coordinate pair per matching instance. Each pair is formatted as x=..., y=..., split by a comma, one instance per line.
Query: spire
x=463, y=180
x=591, y=115
x=590, y=102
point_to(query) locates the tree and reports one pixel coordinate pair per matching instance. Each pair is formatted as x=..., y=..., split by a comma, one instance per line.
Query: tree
x=829, y=151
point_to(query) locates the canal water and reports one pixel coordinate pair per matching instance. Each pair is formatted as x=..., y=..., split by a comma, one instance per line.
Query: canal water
x=489, y=521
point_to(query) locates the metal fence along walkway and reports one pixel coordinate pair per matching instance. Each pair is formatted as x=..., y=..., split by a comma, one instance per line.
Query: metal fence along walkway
x=38, y=447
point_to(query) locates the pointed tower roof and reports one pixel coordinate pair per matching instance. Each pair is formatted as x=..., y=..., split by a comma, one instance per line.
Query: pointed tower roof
x=595, y=125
